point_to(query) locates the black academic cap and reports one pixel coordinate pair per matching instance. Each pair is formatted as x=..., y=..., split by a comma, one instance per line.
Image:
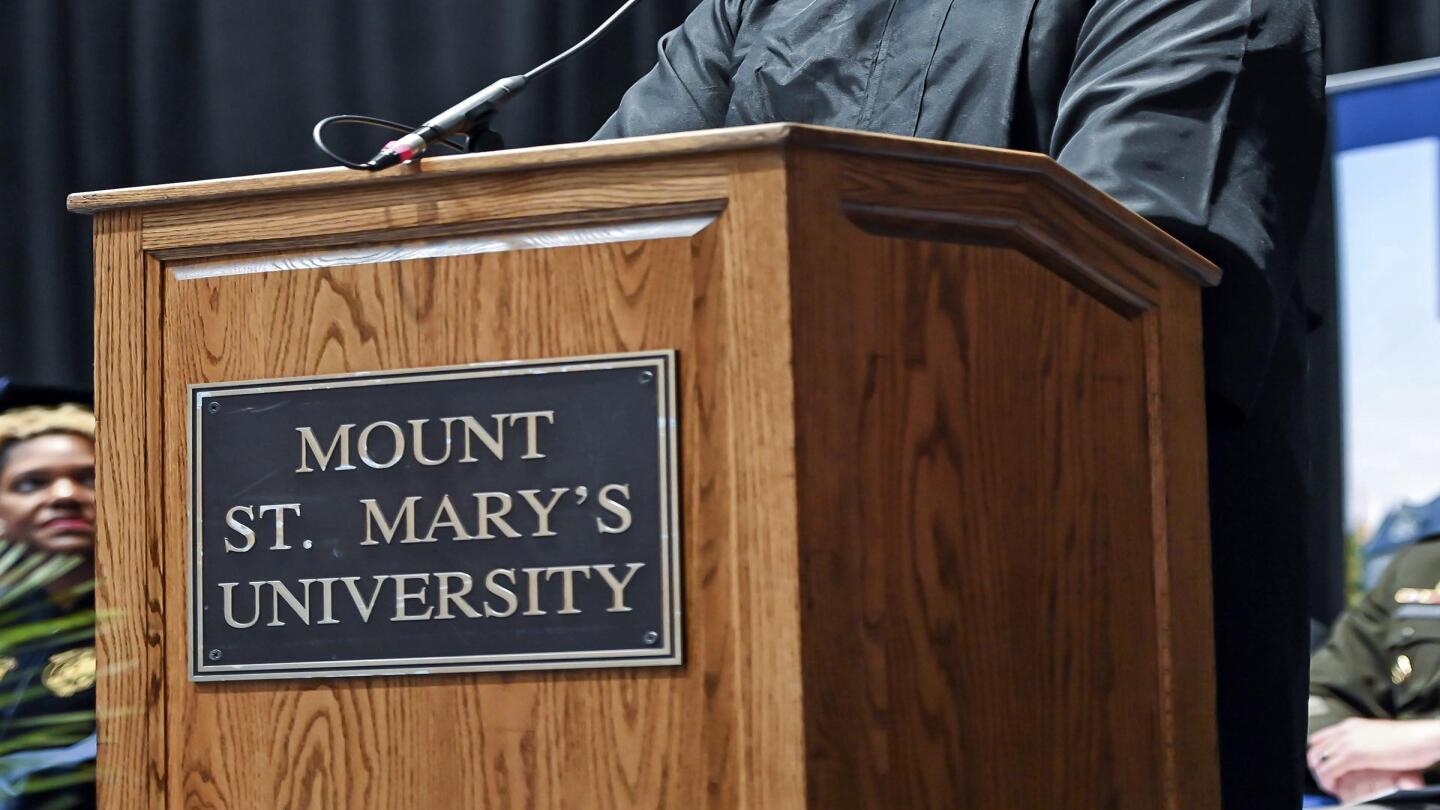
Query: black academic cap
x=15, y=394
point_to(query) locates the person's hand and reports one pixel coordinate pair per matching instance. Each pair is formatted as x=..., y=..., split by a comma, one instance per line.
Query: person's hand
x=1363, y=784
x=1358, y=745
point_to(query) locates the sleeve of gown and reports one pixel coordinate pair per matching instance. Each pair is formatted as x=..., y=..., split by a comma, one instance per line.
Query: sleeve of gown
x=689, y=87
x=1207, y=117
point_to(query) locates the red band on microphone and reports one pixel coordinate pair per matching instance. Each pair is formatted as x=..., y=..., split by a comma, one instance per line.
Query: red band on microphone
x=400, y=149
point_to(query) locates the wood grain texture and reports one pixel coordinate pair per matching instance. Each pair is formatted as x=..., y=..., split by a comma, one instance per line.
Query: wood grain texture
x=1004, y=166
x=130, y=638
x=999, y=566
x=942, y=464
x=564, y=156
x=634, y=230
x=765, y=605
x=1176, y=391
x=281, y=240
x=571, y=739
x=443, y=205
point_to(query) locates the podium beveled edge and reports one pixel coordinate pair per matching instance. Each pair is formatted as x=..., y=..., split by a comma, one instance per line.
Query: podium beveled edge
x=733, y=139
x=653, y=146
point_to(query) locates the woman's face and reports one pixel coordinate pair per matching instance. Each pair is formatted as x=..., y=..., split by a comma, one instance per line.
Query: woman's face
x=47, y=493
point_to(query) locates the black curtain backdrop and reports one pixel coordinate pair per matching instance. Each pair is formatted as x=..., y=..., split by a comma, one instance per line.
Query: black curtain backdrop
x=1367, y=33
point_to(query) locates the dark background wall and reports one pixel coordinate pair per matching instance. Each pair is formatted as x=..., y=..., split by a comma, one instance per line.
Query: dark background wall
x=1366, y=33
x=107, y=93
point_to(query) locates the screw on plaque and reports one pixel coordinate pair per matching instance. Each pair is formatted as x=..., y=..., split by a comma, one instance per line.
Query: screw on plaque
x=646, y=376
x=214, y=655
x=213, y=407
x=652, y=637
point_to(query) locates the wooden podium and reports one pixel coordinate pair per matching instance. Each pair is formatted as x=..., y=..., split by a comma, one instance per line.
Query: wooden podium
x=942, y=474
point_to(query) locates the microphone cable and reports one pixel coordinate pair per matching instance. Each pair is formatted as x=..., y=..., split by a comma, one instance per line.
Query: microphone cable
x=470, y=114
x=318, y=136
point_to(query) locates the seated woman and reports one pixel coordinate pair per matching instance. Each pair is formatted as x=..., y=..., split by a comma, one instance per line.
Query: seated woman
x=47, y=662
x=1375, y=686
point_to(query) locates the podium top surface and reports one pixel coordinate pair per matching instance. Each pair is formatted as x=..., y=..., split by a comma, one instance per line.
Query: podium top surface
x=736, y=139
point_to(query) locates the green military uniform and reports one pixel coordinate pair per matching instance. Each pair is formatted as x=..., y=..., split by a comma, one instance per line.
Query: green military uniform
x=1383, y=659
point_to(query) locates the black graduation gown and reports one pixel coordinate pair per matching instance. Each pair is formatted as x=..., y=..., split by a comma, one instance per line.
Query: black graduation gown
x=1207, y=117
x=49, y=685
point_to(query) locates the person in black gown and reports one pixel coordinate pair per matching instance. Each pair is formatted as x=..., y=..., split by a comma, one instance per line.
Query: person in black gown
x=47, y=669
x=1207, y=117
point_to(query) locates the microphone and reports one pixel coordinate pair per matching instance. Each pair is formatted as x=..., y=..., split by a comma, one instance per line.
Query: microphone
x=472, y=114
